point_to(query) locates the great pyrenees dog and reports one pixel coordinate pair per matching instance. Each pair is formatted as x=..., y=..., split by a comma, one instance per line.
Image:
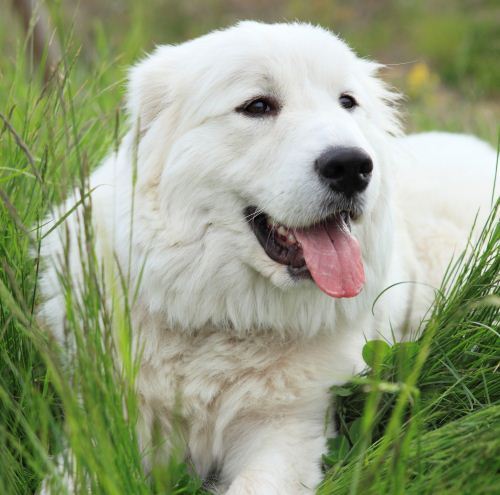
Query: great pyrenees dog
x=262, y=200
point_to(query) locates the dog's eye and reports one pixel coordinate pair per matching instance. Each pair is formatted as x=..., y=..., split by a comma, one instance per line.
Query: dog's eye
x=259, y=107
x=347, y=101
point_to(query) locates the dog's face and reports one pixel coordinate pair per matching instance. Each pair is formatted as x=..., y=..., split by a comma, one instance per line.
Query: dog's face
x=263, y=146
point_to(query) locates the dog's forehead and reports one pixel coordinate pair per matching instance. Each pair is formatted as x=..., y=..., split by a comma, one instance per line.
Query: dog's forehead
x=268, y=53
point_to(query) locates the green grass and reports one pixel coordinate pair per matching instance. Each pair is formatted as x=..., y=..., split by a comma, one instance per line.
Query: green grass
x=424, y=420
x=415, y=422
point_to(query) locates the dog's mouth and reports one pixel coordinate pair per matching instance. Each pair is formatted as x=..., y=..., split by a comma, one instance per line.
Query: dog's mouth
x=327, y=251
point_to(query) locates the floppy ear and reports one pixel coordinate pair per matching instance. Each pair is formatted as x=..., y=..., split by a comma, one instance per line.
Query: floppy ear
x=148, y=87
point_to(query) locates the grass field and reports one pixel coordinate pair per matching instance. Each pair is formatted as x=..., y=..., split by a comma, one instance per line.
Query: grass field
x=426, y=419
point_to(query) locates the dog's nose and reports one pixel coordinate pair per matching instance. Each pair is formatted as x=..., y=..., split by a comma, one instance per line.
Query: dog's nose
x=346, y=170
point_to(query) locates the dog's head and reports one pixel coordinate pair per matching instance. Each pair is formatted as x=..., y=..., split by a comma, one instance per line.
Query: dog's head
x=261, y=158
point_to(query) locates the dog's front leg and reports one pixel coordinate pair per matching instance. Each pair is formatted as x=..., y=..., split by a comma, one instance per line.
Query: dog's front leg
x=277, y=459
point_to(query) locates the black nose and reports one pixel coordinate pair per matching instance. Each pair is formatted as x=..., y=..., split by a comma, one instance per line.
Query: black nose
x=346, y=170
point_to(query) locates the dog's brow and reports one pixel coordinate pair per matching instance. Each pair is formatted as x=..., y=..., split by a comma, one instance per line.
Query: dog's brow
x=261, y=82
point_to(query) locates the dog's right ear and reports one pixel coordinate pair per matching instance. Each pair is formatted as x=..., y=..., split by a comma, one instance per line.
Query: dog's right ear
x=148, y=87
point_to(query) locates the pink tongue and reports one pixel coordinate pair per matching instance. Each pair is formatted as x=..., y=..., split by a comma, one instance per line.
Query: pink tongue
x=333, y=258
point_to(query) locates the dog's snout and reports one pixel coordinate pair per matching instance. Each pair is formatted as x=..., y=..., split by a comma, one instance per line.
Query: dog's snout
x=346, y=170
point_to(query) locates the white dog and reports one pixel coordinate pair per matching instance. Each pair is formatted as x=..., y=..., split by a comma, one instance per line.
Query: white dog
x=274, y=200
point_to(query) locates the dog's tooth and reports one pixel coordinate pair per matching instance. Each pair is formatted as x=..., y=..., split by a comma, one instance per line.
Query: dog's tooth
x=291, y=238
x=270, y=223
x=282, y=231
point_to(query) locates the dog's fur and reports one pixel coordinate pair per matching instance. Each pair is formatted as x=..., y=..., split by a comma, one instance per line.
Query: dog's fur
x=251, y=351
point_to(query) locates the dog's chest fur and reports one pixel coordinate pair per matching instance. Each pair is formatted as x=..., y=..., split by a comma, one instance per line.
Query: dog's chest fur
x=206, y=384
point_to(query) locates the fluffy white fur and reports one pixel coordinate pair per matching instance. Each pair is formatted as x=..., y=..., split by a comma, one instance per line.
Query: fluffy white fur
x=251, y=351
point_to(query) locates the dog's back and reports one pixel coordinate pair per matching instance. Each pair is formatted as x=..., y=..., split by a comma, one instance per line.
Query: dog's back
x=443, y=182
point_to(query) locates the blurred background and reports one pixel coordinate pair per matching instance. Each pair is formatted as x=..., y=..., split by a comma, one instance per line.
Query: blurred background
x=442, y=54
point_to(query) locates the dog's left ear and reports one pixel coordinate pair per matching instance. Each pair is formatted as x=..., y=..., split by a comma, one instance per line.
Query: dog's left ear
x=149, y=86
x=384, y=105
